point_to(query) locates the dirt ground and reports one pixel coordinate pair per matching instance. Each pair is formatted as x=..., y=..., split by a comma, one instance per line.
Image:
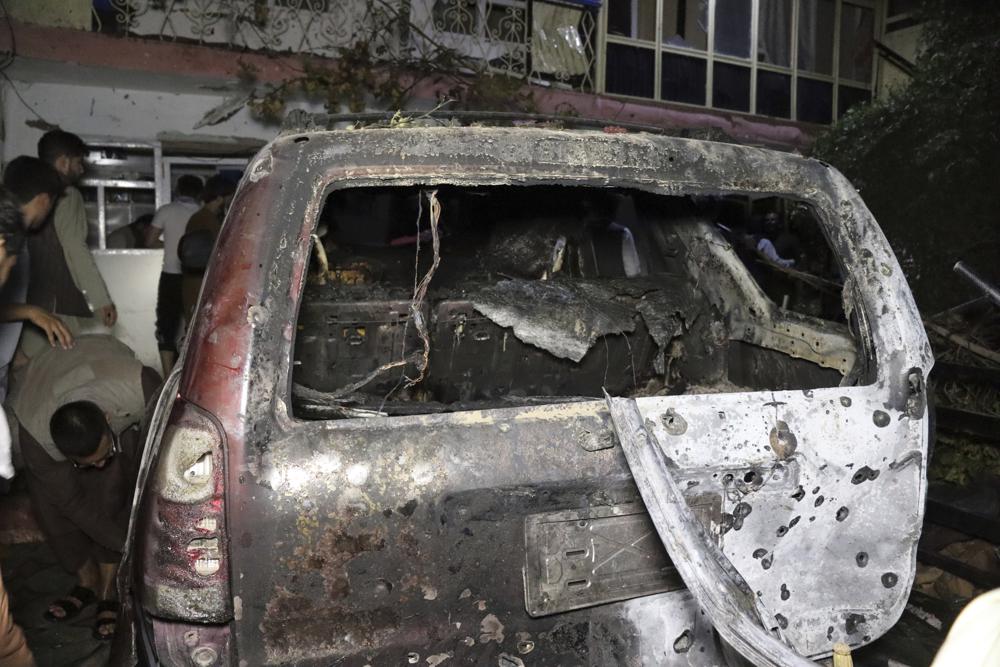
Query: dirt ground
x=33, y=579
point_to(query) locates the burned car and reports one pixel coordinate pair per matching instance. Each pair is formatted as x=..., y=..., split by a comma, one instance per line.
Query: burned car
x=517, y=396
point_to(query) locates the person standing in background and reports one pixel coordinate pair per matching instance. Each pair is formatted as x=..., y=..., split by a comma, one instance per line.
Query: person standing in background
x=131, y=236
x=767, y=242
x=34, y=187
x=64, y=278
x=170, y=221
x=198, y=243
x=30, y=189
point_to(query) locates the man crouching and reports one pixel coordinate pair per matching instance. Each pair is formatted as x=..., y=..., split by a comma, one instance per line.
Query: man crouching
x=80, y=412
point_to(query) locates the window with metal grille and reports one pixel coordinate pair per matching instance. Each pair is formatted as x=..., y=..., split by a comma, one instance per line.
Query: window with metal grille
x=807, y=60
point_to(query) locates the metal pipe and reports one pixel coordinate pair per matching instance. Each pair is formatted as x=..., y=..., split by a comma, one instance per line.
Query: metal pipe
x=988, y=288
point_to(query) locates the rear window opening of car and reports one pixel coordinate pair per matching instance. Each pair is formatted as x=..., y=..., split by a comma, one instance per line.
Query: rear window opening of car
x=447, y=298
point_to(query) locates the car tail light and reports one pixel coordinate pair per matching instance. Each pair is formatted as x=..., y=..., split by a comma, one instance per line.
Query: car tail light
x=183, y=531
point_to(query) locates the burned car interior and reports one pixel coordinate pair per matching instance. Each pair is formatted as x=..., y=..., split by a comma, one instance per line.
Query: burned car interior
x=446, y=298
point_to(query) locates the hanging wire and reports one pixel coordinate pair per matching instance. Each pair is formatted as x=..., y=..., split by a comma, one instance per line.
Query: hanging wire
x=7, y=59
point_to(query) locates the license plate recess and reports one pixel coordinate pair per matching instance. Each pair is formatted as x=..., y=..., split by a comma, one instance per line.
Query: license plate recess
x=585, y=557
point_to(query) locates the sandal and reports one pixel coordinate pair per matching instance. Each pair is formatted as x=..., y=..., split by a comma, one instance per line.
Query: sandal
x=105, y=627
x=78, y=599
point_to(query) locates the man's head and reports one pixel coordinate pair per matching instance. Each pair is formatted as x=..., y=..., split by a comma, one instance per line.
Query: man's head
x=218, y=190
x=140, y=227
x=189, y=186
x=64, y=151
x=35, y=185
x=81, y=432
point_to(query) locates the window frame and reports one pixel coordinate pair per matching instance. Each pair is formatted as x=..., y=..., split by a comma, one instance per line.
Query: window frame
x=748, y=290
x=877, y=7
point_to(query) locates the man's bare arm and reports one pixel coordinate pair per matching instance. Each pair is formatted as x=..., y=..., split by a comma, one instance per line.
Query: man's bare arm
x=54, y=328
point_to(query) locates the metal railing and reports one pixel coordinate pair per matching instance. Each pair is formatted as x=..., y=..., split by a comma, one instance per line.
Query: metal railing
x=552, y=41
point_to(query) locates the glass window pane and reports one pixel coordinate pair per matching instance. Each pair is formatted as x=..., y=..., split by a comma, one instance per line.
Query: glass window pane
x=682, y=79
x=814, y=103
x=857, y=38
x=630, y=70
x=731, y=87
x=632, y=18
x=848, y=96
x=685, y=23
x=816, y=36
x=774, y=94
x=732, y=27
x=774, y=33
x=619, y=17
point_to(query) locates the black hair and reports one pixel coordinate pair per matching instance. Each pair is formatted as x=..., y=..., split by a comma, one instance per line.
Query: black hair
x=143, y=220
x=217, y=186
x=189, y=186
x=58, y=143
x=77, y=428
x=27, y=177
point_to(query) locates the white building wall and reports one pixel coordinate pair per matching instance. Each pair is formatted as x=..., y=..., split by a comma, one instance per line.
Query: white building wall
x=132, y=278
x=116, y=113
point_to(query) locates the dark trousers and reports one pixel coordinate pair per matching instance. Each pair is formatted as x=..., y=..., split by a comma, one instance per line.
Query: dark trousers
x=169, y=310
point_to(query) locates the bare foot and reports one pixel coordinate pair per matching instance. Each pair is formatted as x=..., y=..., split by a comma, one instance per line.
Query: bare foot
x=70, y=605
x=107, y=620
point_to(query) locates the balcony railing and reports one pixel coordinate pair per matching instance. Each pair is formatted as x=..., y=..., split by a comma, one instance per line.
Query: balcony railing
x=552, y=42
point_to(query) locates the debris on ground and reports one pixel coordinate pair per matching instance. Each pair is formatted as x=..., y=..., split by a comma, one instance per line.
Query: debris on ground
x=943, y=585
